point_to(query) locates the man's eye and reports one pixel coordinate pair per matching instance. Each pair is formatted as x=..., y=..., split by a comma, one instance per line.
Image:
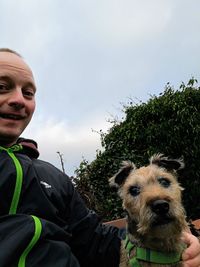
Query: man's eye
x=164, y=182
x=3, y=87
x=29, y=93
x=134, y=190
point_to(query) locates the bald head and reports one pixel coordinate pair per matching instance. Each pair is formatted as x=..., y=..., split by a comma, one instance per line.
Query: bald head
x=7, y=55
x=9, y=51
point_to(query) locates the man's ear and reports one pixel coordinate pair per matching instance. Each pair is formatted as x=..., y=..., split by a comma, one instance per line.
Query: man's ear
x=120, y=177
x=167, y=163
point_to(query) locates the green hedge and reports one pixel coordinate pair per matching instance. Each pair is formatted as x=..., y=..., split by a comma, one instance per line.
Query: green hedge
x=168, y=124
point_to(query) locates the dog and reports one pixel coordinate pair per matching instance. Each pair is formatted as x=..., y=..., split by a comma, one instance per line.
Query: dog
x=151, y=197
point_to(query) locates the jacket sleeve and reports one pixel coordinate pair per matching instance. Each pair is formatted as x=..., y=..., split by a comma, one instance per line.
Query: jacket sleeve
x=93, y=243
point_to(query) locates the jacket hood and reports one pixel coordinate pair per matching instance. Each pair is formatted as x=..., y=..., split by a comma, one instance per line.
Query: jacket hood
x=30, y=147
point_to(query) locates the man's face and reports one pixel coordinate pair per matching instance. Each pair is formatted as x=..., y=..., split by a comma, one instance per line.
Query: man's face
x=17, y=97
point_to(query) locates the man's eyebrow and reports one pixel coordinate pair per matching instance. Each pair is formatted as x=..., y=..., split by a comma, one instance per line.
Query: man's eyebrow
x=7, y=79
x=4, y=77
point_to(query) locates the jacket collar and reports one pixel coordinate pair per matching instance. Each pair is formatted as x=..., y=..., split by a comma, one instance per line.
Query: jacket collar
x=29, y=147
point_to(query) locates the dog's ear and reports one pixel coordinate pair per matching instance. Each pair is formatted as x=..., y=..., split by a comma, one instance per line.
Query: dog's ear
x=167, y=163
x=119, y=178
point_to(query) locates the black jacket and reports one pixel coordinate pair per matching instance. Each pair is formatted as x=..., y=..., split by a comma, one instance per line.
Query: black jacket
x=43, y=221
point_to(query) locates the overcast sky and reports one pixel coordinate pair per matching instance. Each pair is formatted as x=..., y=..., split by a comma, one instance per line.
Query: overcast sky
x=89, y=56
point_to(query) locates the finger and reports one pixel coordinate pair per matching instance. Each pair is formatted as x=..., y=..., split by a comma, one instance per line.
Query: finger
x=192, y=263
x=193, y=248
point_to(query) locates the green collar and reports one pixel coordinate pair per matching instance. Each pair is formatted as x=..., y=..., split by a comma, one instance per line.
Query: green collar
x=146, y=254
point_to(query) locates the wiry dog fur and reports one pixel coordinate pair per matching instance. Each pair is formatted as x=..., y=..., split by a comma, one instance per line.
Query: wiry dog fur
x=151, y=196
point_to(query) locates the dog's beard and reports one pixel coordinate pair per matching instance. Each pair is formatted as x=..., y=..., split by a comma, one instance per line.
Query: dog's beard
x=162, y=220
x=147, y=222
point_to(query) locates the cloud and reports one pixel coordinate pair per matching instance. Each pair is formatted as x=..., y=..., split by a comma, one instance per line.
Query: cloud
x=130, y=22
x=74, y=142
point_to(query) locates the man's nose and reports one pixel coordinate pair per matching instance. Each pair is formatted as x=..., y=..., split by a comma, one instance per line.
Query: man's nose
x=16, y=98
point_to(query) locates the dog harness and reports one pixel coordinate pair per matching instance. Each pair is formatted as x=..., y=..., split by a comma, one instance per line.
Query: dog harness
x=149, y=255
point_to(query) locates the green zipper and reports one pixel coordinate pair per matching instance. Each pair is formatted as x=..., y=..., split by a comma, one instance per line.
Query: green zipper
x=19, y=177
x=18, y=184
x=37, y=233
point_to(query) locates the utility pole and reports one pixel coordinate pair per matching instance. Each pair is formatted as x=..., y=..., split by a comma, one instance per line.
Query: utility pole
x=61, y=160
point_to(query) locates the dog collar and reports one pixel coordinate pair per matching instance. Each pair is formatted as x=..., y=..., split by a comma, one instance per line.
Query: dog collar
x=149, y=255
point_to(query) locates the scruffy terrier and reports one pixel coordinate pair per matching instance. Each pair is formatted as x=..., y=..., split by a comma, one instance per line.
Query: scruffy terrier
x=151, y=196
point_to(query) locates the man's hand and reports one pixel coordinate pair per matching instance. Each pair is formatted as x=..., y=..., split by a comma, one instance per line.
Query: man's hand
x=191, y=255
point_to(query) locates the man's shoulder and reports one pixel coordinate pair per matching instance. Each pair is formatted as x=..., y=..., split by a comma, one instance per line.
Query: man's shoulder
x=46, y=170
x=47, y=166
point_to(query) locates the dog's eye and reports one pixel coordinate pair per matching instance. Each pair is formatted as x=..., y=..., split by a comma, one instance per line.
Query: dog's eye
x=134, y=190
x=164, y=182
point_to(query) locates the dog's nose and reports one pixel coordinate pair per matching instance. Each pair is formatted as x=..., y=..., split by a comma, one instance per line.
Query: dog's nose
x=160, y=207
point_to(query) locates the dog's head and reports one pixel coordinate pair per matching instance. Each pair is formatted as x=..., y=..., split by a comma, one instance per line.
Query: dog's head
x=128, y=169
x=151, y=196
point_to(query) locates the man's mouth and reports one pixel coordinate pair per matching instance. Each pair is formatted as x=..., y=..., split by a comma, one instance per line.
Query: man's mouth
x=11, y=116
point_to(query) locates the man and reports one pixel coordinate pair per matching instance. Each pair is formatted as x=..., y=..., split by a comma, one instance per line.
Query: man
x=43, y=221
